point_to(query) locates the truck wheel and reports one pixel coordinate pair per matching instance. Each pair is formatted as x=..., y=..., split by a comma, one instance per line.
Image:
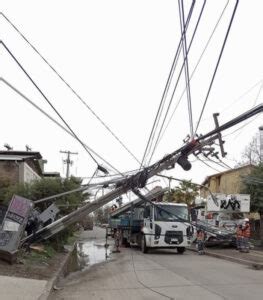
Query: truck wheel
x=144, y=248
x=180, y=250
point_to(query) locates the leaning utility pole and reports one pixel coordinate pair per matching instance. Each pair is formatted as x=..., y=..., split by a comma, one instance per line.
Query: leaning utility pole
x=68, y=161
x=138, y=180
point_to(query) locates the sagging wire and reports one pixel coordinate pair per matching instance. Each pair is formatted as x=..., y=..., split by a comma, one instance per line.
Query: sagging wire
x=208, y=165
x=144, y=285
x=220, y=163
x=69, y=86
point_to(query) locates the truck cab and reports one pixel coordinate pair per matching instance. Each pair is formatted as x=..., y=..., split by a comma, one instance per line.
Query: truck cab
x=166, y=225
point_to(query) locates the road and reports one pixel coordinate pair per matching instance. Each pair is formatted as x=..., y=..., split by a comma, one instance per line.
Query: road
x=161, y=275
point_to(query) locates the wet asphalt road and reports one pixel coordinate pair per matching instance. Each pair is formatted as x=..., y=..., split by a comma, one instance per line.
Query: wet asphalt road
x=159, y=275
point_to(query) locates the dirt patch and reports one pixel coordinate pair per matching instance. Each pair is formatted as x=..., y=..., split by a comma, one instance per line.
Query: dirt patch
x=33, y=265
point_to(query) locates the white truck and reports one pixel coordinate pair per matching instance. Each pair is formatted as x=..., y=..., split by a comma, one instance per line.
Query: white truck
x=153, y=224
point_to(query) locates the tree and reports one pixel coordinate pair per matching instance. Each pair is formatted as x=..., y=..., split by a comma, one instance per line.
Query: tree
x=251, y=153
x=43, y=188
x=254, y=186
x=184, y=193
x=102, y=215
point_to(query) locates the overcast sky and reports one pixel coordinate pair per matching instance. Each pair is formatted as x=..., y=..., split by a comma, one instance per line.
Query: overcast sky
x=117, y=55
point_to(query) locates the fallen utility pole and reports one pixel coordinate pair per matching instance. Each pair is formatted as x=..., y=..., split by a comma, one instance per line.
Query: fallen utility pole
x=139, y=179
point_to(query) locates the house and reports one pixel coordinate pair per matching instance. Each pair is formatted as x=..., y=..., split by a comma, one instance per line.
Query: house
x=21, y=166
x=228, y=182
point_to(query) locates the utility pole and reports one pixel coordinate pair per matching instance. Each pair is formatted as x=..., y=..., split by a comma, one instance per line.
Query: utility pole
x=67, y=161
x=261, y=144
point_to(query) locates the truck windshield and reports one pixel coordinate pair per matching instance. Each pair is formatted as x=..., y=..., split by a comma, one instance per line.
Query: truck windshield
x=171, y=213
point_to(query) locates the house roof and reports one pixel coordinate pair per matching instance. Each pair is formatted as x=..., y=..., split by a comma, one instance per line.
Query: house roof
x=226, y=172
x=33, y=156
x=15, y=157
x=19, y=155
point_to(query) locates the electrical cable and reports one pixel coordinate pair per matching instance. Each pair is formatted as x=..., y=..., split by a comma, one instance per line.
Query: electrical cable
x=68, y=85
x=164, y=95
x=53, y=120
x=92, y=177
x=186, y=67
x=48, y=101
x=217, y=64
x=226, y=108
x=178, y=78
x=208, y=165
x=241, y=127
x=225, y=166
x=145, y=286
x=195, y=68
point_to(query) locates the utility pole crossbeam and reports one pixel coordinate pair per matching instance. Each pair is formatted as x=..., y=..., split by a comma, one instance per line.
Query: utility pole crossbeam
x=221, y=142
x=67, y=161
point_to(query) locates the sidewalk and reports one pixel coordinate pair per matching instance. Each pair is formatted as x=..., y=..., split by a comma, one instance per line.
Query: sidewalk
x=17, y=288
x=253, y=259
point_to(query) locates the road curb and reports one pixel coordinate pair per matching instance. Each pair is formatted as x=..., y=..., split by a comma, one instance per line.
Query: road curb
x=61, y=271
x=254, y=265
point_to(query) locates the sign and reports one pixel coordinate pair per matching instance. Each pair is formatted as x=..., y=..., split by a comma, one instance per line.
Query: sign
x=14, y=224
x=229, y=203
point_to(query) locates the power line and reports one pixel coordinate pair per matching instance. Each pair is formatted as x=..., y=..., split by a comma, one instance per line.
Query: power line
x=69, y=86
x=221, y=164
x=195, y=68
x=186, y=67
x=53, y=120
x=241, y=127
x=217, y=64
x=178, y=78
x=241, y=96
x=48, y=101
x=164, y=95
x=208, y=165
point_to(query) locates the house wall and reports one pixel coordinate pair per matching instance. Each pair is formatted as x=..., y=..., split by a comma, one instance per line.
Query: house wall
x=9, y=170
x=17, y=172
x=226, y=183
x=26, y=173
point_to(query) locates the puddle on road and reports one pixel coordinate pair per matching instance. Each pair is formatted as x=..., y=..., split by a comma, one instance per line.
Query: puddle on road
x=90, y=253
x=86, y=254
